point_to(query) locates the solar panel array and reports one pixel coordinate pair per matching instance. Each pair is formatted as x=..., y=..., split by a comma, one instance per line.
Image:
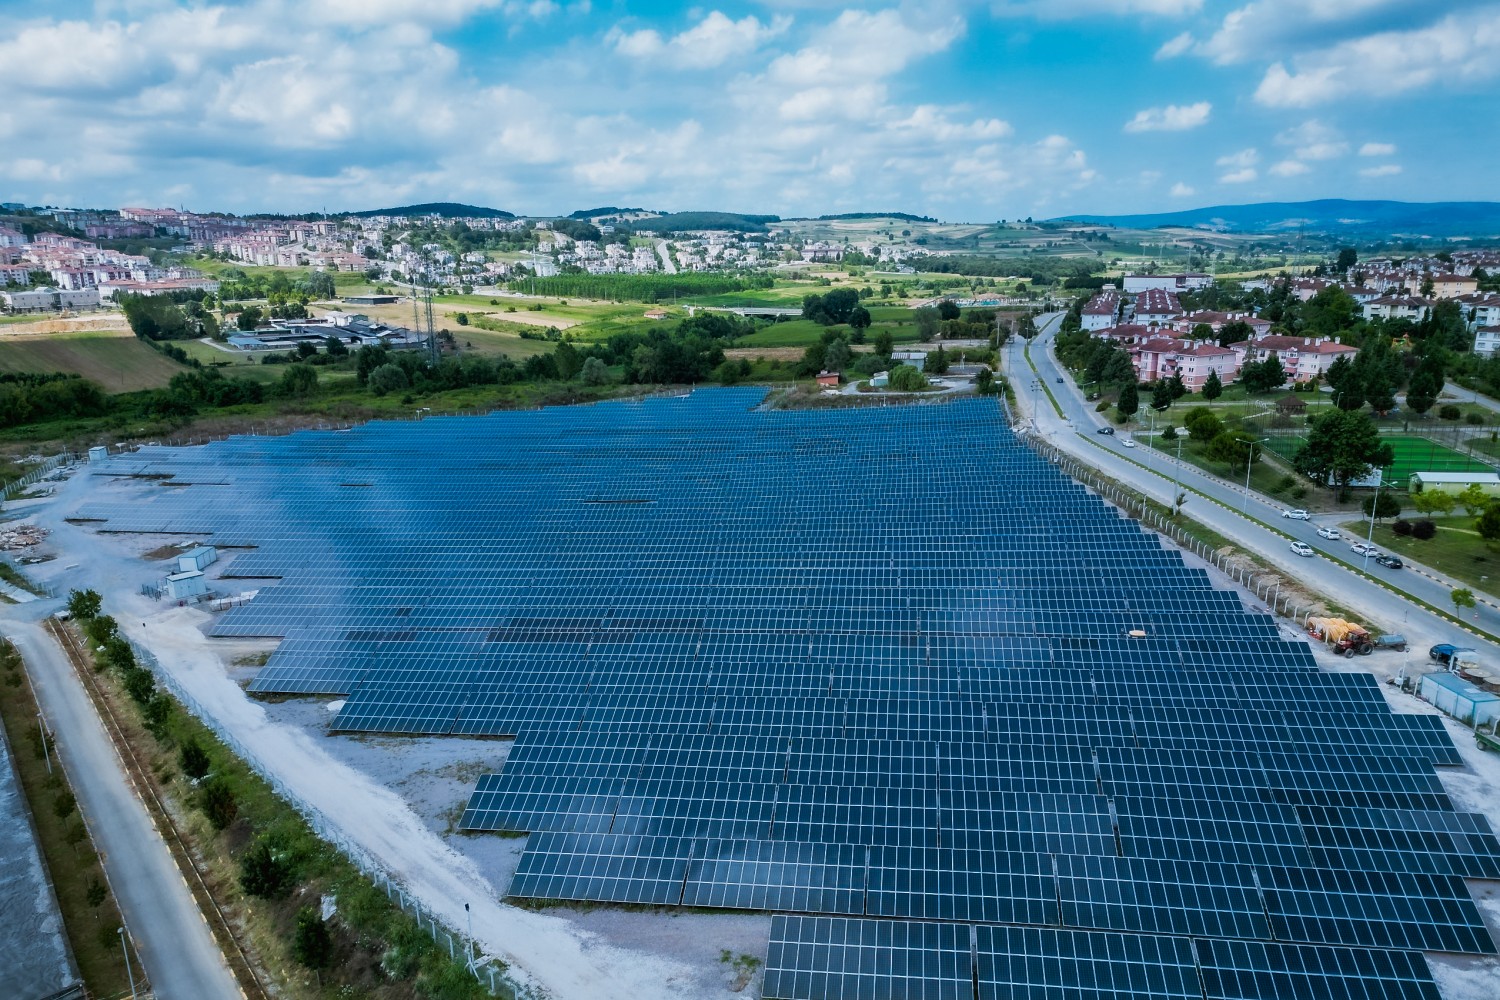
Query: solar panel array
x=882, y=668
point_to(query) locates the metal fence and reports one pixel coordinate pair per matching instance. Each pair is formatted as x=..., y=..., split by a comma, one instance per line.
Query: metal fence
x=487, y=971
x=35, y=475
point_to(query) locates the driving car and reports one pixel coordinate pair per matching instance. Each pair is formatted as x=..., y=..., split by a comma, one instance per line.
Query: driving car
x=1106, y=430
x=1128, y=443
x=1059, y=381
x=1301, y=549
x=1295, y=515
x=1389, y=561
x=1444, y=652
x=1330, y=533
x=1363, y=549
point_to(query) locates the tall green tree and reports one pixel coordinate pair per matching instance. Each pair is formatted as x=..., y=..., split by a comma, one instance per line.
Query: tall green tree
x=1212, y=387
x=1130, y=400
x=1342, y=446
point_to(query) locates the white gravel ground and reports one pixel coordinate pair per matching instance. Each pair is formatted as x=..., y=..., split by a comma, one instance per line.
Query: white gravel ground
x=400, y=798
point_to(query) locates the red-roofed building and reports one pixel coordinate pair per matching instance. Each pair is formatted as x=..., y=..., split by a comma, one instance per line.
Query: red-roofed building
x=1157, y=306
x=1194, y=364
x=1102, y=310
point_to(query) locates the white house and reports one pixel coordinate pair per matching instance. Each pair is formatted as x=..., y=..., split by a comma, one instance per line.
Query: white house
x=1486, y=341
x=1167, y=282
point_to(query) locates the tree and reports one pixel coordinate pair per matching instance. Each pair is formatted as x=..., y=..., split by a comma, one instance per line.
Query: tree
x=1161, y=395
x=64, y=805
x=1423, y=529
x=948, y=309
x=1202, y=425
x=927, y=323
x=905, y=378
x=249, y=318
x=1450, y=412
x=218, y=804
x=1434, y=502
x=312, y=945
x=1263, y=376
x=1233, y=449
x=1329, y=313
x=1488, y=524
x=594, y=372
x=297, y=381
x=96, y=894
x=1130, y=400
x=84, y=604
x=193, y=759
x=1463, y=597
x=266, y=873
x=1342, y=446
x=388, y=378
x=937, y=361
x=1177, y=387
x=1170, y=434
x=1212, y=387
x=1347, y=258
x=335, y=347
x=836, y=358
x=984, y=382
x=1474, y=499
x=859, y=319
x=1202, y=331
x=884, y=343
x=1380, y=506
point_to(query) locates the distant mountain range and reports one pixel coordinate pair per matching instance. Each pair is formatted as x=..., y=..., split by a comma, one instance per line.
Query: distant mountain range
x=1330, y=215
x=446, y=209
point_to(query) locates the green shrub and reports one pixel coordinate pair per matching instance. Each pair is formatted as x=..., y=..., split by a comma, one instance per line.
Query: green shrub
x=217, y=801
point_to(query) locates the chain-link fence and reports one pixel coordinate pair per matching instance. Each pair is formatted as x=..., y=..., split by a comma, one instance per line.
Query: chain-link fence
x=486, y=971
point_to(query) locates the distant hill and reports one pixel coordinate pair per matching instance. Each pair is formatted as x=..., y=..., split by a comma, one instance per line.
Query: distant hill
x=447, y=209
x=856, y=216
x=1331, y=215
x=678, y=222
x=590, y=213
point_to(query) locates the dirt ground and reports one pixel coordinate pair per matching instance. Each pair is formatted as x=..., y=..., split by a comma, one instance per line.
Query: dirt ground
x=66, y=324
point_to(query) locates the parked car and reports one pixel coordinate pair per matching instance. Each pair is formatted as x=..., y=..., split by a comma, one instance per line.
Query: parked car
x=1295, y=515
x=1363, y=549
x=1389, y=561
x=1059, y=381
x=1128, y=443
x=1444, y=652
x=1332, y=534
x=1106, y=430
x=1301, y=549
x=1394, y=640
x=1091, y=396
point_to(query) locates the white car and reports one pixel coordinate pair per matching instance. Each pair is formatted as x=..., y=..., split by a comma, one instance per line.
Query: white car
x=1301, y=549
x=1362, y=549
x=1128, y=443
x=1295, y=515
x=1330, y=533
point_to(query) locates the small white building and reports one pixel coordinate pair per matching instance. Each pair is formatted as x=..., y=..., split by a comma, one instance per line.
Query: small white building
x=1454, y=482
x=199, y=558
x=917, y=359
x=1487, y=341
x=98, y=453
x=181, y=586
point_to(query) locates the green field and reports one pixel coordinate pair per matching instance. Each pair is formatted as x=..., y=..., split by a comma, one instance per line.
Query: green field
x=1412, y=454
x=117, y=361
x=1456, y=549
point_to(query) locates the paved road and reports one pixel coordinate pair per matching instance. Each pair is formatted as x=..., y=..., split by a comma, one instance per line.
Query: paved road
x=666, y=257
x=174, y=942
x=1151, y=472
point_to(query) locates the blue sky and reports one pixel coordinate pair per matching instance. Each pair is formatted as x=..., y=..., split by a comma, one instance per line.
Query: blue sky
x=966, y=111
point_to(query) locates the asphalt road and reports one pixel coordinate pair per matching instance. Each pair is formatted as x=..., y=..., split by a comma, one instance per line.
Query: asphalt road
x=173, y=941
x=1218, y=504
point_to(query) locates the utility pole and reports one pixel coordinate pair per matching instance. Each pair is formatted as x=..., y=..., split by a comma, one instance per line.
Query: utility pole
x=42, y=725
x=126, y=949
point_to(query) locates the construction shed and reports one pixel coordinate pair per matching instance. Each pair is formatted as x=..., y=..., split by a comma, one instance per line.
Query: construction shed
x=181, y=586
x=1455, y=482
x=1460, y=699
x=198, y=558
x=98, y=453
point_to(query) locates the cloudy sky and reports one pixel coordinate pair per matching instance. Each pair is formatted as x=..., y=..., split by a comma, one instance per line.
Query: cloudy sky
x=968, y=111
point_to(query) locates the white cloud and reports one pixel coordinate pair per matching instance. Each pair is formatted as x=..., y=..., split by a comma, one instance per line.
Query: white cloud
x=1174, y=47
x=1378, y=149
x=1172, y=118
x=1065, y=9
x=1460, y=49
x=1384, y=170
x=1244, y=158
x=1239, y=176
x=1314, y=140
x=861, y=46
x=711, y=42
x=1181, y=190
x=1247, y=33
x=1289, y=168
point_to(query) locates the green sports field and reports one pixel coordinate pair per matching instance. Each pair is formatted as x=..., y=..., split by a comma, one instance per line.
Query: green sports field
x=1412, y=454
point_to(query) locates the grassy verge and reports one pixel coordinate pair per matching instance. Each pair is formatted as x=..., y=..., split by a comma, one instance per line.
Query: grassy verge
x=16, y=578
x=90, y=917
x=265, y=869
x=1456, y=550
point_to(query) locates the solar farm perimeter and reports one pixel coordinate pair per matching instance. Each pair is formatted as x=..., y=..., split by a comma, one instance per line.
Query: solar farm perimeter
x=963, y=729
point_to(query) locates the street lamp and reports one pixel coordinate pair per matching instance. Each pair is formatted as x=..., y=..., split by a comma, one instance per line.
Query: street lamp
x=1249, y=464
x=124, y=948
x=1374, y=506
x=42, y=725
